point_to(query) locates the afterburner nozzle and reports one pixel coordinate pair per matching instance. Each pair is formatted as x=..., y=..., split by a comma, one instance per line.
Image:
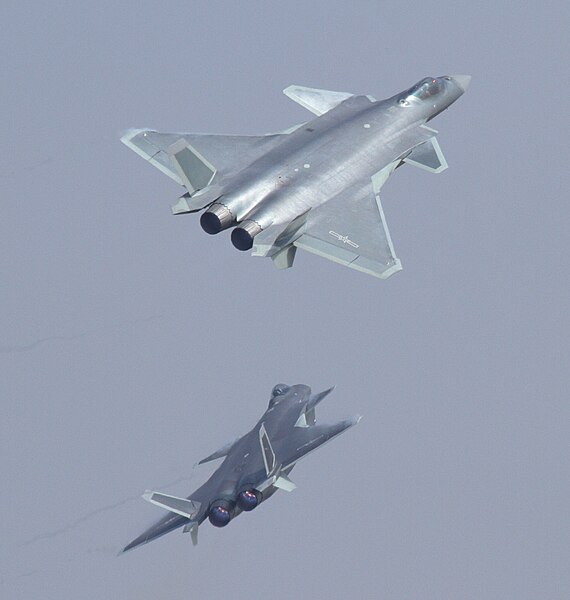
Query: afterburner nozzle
x=217, y=218
x=248, y=499
x=221, y=513
x=242, y=236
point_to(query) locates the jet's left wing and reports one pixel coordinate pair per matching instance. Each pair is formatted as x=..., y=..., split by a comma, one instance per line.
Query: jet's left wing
x=351, y=229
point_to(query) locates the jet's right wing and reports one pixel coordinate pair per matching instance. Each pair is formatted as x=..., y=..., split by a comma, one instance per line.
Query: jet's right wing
x=203, y=153
x=351, y=229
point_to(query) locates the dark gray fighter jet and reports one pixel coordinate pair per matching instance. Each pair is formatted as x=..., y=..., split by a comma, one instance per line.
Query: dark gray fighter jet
x=255, y=466
x=315, y=186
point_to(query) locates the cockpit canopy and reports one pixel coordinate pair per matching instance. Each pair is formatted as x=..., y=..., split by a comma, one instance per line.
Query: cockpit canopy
x=279, y=390
x=424, y=89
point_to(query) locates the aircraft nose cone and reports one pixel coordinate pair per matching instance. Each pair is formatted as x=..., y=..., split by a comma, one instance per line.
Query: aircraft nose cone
x=462, y=81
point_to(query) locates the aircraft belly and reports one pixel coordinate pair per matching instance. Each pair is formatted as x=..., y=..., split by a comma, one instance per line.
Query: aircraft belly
x=315, y=173
x=316, y=185
x=313, y=164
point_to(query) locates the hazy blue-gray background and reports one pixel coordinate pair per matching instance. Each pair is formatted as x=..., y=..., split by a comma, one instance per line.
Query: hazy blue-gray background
x=132, y=344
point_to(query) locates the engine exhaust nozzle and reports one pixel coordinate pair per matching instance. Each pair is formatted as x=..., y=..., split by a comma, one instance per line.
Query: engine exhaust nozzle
x=220, y=513
x=248, y=499
x=242, y=236
x=217, y=218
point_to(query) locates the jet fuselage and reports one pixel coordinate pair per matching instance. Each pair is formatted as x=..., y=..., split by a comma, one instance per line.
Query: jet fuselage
x=325, y=157
x=315, y=186
x=245, y=473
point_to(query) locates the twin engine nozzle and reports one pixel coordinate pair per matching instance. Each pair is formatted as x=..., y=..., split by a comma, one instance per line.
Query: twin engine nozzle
x=222, y=511
x=249, y=499
x=219, y=217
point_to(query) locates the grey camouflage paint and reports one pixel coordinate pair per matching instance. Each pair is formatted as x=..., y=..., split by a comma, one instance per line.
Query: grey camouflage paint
x=259, y=461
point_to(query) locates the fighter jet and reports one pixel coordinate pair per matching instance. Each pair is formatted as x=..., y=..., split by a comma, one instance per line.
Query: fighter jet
x=254, y=468
x=314, y=186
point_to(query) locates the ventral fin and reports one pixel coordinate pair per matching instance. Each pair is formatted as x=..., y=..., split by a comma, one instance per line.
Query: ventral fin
x=192, y=527
x=284, y=483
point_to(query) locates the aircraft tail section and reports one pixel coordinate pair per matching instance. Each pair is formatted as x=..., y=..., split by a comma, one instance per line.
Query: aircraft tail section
x=192, y=527
x=180, y=506
x=193, y=169
x=183, y=512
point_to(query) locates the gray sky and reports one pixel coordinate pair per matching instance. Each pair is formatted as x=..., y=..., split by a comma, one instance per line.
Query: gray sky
x=132, y=344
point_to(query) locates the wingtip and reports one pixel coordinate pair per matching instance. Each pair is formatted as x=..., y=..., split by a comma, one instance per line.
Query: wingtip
x=396, y=266
x=352, y=421
x=326, y=392
x=128, y=134
x=288, y=89
x=126, y=549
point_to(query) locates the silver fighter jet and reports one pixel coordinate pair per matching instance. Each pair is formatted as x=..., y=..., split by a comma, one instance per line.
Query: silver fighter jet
x=315, y=186
x=255, y=466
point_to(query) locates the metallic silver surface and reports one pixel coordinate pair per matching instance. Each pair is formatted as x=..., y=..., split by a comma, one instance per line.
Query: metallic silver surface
x=217, y=218
x=315, y=186
x=242, y=236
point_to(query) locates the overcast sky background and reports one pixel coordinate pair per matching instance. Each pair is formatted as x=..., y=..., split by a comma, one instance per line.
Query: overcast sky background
x=133, y=345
